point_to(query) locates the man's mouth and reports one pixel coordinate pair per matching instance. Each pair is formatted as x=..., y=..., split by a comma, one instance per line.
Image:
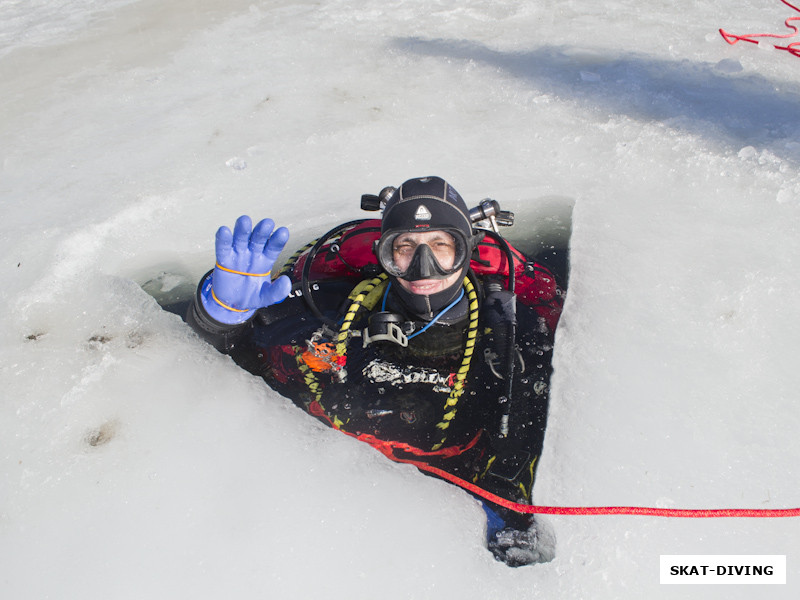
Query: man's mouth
x=424, y=286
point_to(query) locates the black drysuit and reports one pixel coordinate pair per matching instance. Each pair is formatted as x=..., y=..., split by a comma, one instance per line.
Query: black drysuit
x=410, y=402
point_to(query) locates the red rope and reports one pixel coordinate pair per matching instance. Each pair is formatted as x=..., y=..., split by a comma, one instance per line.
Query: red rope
x=793, y=48
x=387, y=448
x=603, y=510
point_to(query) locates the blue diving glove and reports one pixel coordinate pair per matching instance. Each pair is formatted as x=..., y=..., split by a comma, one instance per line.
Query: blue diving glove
x=241, y=282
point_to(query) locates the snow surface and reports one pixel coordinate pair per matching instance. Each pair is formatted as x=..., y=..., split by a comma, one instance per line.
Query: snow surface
x=136, y=462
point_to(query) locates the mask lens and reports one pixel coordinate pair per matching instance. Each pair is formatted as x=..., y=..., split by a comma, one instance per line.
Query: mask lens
x=422, y=255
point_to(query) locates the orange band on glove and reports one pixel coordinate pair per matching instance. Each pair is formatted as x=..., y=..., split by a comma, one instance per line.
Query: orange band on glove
x=219, y=266
x=223, y=305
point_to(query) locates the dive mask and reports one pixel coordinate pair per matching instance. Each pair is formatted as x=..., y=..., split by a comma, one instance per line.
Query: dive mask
x=423, y=254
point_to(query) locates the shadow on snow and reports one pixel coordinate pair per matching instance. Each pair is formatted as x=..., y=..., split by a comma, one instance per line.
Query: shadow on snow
x=699, y=98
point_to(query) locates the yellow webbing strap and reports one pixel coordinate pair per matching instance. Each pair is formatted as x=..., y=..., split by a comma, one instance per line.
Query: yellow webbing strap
x=366, y=294
x=463, y=370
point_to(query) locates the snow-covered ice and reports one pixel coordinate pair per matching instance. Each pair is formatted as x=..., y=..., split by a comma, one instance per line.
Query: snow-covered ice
x=137, y=462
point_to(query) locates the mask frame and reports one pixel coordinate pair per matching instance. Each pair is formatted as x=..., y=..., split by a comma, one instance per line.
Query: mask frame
x=423, y=264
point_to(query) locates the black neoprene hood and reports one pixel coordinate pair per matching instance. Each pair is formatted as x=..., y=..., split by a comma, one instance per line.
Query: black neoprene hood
x=426, y=203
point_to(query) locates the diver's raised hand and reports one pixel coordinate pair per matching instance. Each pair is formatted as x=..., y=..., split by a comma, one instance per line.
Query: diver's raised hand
x=241, y=281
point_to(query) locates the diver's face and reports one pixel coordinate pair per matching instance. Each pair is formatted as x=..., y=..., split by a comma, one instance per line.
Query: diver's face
x=443, y=247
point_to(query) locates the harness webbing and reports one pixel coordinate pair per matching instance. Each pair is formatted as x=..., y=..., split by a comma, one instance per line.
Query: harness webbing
x=366, y=295
x=461, y=375
x=287, y=268
x=360, y=297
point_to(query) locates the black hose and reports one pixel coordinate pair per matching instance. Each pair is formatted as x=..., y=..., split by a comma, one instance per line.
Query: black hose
x=305, y=284
x=511, y=352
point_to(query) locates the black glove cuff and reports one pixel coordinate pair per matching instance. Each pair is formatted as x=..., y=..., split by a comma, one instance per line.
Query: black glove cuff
x=220, y=335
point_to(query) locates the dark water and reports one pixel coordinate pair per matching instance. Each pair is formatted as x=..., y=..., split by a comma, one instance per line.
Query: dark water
x=542, y=230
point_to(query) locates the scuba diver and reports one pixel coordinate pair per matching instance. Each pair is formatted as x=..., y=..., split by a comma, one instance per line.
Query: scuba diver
x=405, y=333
